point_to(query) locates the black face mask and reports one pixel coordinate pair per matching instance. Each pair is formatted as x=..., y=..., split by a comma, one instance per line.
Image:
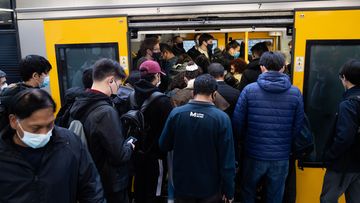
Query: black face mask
x=209, y=47
x=180, y=45
x=156, y=56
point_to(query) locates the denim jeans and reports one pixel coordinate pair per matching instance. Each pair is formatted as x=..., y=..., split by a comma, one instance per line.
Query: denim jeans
x=275, y=173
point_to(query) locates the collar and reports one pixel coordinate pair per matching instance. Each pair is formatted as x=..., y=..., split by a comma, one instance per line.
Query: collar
x=95, y=91
x=193, y=101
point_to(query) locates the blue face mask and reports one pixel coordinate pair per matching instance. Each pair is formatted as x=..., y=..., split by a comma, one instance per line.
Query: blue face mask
x=34, y=140
x=46, y=82
x=236, y=55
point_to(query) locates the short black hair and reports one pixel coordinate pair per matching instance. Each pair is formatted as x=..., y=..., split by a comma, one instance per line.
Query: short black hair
x=204, y=38
x=87, y=78
x=274, y=61
x=351, y=71
x=33, y=64
x=26, y=102
x=148, y=43
x=259, y=48
x=205, y=85
x=232, y=44
x=165, y=47
x=216, y=70
x=105, y=67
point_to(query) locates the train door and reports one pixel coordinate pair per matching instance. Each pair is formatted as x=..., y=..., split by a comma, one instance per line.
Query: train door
x=324, y=41
x=72, y=45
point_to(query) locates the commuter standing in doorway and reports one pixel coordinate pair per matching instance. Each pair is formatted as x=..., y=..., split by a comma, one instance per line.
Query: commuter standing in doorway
x=149, y=50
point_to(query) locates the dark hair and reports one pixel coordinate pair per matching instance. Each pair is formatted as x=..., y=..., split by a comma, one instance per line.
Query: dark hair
x=232, y=44
x=183, y=58
x=272, y=60
x=87, y=79
x=148, y=43
x=174, y=39
x=33, y=64
x=178, y=81
x=26, y=102
x=351, y=71
x=133, y=77
x=166, y=48
x=203, y=62
x=216, y=70
x=196, y=34
x=239, y=65
x=204, y=38
x=148, y=77
x=107, y=67
x=259, y=48
x=205, y=85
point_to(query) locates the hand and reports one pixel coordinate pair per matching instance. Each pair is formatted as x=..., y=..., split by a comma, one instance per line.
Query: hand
x=226, y=200
x=131, y=142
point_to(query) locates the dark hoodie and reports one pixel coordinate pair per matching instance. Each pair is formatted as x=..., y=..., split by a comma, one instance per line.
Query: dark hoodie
x=155, y=115
x=268, y=114
x=250, y=74
x=105, y=139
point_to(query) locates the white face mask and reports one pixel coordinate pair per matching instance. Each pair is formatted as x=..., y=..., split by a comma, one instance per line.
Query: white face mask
x=4, y=86
x=34, y=140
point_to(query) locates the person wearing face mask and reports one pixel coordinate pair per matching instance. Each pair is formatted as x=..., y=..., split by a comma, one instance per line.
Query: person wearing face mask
x=101, y=122
x=206, y=45
x=178, y=45
x=3, y=83
x=231, y=52
x=150, y=165
x=41, y=162
x=149, y=50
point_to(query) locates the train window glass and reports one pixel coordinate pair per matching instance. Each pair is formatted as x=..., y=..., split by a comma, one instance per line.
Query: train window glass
x=73, y=59
x=252, y=42
x=188, y=44
x=322, y=87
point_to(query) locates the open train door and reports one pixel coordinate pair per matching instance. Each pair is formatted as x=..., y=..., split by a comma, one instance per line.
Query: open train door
x=324, y=40
x=74, y=45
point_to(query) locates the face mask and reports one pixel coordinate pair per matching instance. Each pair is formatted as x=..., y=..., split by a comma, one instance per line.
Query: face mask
x=4, y=86
x=156, y=56
x=45, y=83
x=34, y=140
x=209, y=47
x=236, y=55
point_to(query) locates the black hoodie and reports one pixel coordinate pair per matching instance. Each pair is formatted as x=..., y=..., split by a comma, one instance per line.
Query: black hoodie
x=250, y=74
x=105, y=139
x=155, y=115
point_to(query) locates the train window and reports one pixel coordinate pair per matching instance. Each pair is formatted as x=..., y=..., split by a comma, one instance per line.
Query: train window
x=322, y=87
x=73, y=59
x=188, y=44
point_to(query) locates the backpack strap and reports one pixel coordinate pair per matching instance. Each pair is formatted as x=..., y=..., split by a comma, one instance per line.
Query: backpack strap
x=149, y=100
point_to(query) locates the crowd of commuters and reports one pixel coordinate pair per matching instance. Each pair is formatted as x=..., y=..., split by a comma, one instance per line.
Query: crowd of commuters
x=215, y=129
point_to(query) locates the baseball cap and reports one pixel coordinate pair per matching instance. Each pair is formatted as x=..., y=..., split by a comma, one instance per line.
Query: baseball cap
x=150, y=67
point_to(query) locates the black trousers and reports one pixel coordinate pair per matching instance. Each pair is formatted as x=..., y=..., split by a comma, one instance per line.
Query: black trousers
x=118, y=197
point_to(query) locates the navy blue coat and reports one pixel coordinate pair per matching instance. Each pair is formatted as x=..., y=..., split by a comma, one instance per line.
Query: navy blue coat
x=268, y=114
x=67, y=174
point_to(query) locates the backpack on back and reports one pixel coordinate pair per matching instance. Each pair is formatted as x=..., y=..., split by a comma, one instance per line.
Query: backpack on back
x=133, y=121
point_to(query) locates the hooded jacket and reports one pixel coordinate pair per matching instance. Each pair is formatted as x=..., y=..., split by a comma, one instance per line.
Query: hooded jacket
x=267, y=116
x=66, y=174
x=105, y=139
x=155, y=115
x=250, y=74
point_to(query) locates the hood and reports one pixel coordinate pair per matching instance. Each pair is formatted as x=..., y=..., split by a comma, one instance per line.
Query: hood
x=83, y=102
x=143, y=90
x=124, y=92
x=254, y=65
x=273, y=81
x=72, y=93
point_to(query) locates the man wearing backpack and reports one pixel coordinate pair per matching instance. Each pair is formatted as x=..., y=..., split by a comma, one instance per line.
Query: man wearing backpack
x=343, y=156
x=103, y=130
x=149, y=161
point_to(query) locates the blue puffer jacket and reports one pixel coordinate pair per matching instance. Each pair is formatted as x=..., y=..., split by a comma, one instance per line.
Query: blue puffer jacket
x=268, y=114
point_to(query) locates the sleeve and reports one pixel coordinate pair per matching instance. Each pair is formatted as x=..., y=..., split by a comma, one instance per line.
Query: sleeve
x=346, y=130
x=166, y=141
x=299, y=116
x=227, y=158
x=239, y=115
x=109, y=128
x=89, y=185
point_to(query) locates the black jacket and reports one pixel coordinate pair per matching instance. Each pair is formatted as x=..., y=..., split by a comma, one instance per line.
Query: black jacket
x=250, y=74
x=194, y=53
x=155, y=115
x=105, y=139
x=230, y=94
x=344, y=152
x=67, y=173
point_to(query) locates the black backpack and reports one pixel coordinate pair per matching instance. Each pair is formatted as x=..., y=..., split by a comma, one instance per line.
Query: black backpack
x=133, y=122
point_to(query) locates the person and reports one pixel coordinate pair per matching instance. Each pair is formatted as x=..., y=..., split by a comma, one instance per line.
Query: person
x=200, y=136
x=149, y=50
x=269, y=45
x=3, y=83
x=253, y=70
x=103, y=130
x=203, y=62
x=233, y=77
x=267, y=117
x=41, y=162
x=288, y=67
x=178, y=45
x=231, y=52
x=150, y=163
x=342, y=157
x=205, y=47
x=193, y=52
x=170, y=59
x=230, y=94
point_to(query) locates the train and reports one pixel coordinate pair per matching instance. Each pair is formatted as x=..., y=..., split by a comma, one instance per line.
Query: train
x=73, y=34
